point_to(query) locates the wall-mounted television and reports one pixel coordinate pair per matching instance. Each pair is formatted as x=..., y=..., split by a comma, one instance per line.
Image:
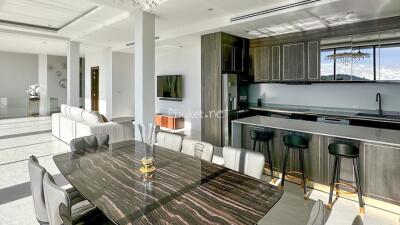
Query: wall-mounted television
x=169, y=87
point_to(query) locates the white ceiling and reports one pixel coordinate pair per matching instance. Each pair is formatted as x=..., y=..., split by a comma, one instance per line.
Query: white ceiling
x=177, y=21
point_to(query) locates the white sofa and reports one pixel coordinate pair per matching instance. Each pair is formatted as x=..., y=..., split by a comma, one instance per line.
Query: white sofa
x=74, y=122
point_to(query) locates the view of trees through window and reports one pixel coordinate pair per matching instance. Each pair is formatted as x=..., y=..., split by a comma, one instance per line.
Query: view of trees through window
x=382, y=64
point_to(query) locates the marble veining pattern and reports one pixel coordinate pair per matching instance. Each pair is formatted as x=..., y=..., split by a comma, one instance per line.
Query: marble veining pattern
x=185, y=190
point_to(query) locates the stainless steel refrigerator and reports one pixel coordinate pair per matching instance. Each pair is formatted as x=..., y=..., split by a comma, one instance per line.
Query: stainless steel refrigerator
x=229, y=105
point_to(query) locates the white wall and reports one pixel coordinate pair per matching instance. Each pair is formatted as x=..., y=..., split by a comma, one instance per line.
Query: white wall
x=17, y=72
x=103, y=59
x=358, y=96
x=56, y=71
x=123, y=69
x=185, y=61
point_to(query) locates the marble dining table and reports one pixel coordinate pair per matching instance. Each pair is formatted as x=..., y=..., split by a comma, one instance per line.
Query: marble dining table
x=183, y=190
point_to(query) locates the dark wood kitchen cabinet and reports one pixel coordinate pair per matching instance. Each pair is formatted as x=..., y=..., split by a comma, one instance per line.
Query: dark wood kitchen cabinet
x=211, y=101
x=275, y=63
x=220, y=53
x=293, y=62
x=260, y=61
x=233, y=49
x=313, y=61
x=381, y=172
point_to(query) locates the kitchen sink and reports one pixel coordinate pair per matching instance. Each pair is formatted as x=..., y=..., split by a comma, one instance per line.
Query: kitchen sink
x=388, y=116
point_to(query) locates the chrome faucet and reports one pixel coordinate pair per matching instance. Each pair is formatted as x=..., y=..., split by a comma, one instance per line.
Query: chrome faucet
x=379, y=103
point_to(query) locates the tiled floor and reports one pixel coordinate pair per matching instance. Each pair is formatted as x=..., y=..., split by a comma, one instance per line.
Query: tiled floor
x=20, y=138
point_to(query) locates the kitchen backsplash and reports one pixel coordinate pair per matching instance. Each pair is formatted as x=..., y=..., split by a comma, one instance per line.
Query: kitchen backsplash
x=355, y=96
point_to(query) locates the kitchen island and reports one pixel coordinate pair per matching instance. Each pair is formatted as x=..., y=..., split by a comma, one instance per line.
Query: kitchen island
x=379, y=152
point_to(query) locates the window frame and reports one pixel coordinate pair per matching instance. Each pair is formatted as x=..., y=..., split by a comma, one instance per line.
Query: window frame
x=374, y=60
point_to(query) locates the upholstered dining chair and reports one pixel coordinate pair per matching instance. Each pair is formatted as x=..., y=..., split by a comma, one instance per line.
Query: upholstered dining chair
x=198, y=149
x=248, y=162
x=169, y=141
x=36, y=174
x=63, y=209
x=89, y=143
x=317, y=215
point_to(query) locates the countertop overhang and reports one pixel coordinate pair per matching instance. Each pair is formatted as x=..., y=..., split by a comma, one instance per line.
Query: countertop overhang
x=366, y=134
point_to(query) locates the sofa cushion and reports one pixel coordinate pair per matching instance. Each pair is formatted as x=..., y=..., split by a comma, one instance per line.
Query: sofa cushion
x=76, y=113
x=92, y=117
x=63, y=109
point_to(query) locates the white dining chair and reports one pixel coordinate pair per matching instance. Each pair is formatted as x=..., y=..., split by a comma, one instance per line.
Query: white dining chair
x=248, y=162
x=317, y=215
x=169, y=141
x=63, y=208
x=198, y=149
x=36, y=174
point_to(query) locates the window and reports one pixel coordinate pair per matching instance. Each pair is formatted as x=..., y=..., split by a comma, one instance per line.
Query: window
x=389, y=66
x=327, y=65
x=343, y=70
x=363, y=69
x=348, y=69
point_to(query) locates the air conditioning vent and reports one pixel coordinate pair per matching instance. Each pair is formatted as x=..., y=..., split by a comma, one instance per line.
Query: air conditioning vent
x=276, y=9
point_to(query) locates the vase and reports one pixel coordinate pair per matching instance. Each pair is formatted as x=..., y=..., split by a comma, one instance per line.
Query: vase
x=147, y=135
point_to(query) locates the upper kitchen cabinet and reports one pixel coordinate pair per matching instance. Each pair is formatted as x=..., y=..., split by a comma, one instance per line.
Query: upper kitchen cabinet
x=275, y=63
x=293, y=62
x=233, y=52
x=313, y=61
x=260, y=63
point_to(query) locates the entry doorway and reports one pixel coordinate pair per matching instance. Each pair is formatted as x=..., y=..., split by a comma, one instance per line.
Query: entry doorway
x=94, y=74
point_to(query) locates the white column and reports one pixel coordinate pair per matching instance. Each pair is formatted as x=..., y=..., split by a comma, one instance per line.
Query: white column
x=144, y=69
x=44, y=98
x=73, y=74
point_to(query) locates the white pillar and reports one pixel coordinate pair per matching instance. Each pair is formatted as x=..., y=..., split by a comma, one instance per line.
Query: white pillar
x=73, y=74
x=144, y=69
x=42, y=80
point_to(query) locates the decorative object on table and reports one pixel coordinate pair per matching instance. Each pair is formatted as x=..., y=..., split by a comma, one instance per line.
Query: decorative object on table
x=147, y=134
x=33, y=99
x=63, y=82
x=33, y=91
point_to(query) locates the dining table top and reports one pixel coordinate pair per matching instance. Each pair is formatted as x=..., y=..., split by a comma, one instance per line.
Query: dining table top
x=183, y=190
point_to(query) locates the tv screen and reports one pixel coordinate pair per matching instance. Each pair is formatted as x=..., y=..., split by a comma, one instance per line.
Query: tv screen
x=169, y=87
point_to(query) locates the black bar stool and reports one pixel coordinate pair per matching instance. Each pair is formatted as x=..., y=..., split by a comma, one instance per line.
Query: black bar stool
x=263, y=137
x=295, y=142
x=339, y=151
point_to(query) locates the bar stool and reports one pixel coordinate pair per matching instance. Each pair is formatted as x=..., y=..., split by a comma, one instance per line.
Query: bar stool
x=263, y=137
x=295, y=142
x=339, y=151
